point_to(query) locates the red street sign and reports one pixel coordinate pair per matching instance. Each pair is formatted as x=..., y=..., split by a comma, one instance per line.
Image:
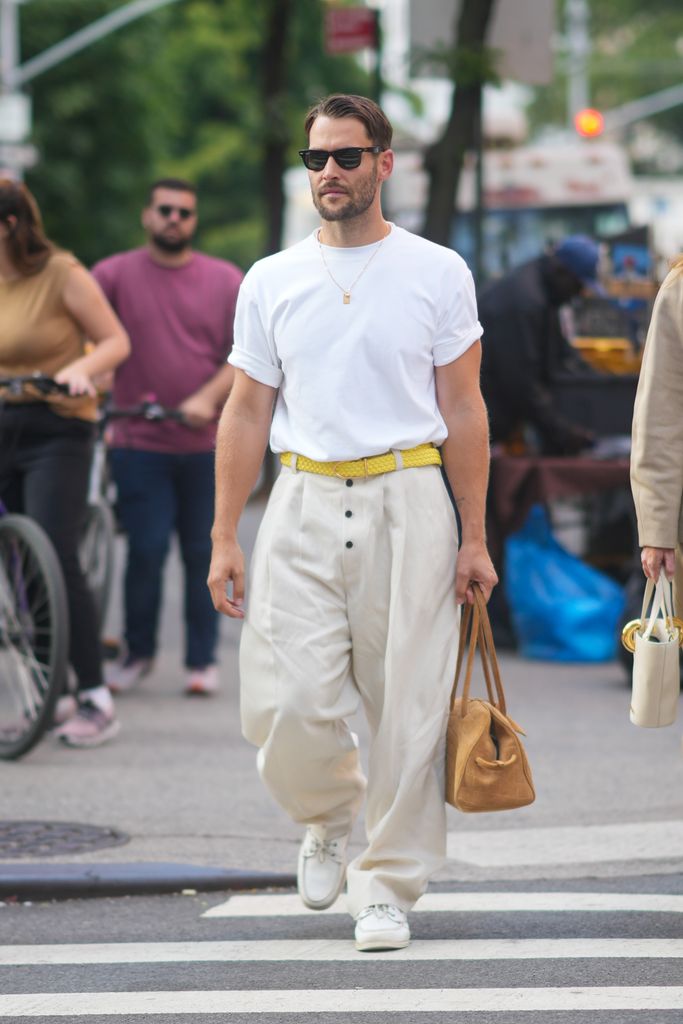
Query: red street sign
x=350, y=28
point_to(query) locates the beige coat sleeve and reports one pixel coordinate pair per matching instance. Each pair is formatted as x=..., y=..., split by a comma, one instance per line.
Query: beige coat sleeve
x=657, y=437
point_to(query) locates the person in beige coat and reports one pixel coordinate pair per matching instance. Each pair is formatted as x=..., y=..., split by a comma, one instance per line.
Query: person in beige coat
x=657, y=439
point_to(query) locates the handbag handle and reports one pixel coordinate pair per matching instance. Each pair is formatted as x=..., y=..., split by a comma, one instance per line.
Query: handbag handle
x=486, y=635
x=480, y=635
x=662, y=603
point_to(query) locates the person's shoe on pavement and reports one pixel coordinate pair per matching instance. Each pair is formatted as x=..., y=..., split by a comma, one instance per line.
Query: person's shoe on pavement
x=321, y=869
x=202, y=682
x=65, y=708
x=381, y=926
x=126, y=673
x=93, y=724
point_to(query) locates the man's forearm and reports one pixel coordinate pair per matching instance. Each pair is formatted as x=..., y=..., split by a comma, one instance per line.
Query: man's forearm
x=240, y=445
x=466, y=461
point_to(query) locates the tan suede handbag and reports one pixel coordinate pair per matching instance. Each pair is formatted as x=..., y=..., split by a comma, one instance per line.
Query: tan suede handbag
x=486, y=765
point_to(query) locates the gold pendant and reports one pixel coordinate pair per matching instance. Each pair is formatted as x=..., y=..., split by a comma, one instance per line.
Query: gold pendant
x=347, y=298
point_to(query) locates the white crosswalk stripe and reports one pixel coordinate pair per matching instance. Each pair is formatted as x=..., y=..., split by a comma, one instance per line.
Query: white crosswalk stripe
x=571, y=844
x=275, y=905
x=394, y=1001
x=339, y=964
x=339, y=949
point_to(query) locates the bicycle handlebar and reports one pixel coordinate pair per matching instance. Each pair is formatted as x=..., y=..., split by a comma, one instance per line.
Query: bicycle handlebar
x=148, y=409
x=46, y=385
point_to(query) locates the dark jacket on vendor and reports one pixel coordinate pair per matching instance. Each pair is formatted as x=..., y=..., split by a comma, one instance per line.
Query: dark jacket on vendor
x=524, y=346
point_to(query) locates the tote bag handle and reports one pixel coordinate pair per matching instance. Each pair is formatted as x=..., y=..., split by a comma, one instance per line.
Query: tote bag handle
x=662, y=603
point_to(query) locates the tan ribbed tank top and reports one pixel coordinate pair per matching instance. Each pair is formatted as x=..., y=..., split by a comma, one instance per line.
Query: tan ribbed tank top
x=38, y=334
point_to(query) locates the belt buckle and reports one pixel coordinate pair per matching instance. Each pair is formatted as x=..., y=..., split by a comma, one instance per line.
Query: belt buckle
x=343, y=476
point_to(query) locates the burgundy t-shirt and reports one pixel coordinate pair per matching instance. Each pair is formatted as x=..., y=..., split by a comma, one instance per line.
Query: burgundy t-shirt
x=180, y=321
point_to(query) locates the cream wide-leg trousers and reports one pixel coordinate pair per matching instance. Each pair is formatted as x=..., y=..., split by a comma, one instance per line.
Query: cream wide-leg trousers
x=352, y=598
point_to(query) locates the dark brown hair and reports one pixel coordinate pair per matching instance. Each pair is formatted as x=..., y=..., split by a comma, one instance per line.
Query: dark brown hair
x=28, y=245
x=366, y=111
x=175, y=184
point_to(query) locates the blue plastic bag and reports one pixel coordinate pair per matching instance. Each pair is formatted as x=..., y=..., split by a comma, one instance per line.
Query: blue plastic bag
x=561, y=608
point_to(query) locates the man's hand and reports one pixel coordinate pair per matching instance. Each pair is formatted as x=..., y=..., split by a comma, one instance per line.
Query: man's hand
x=227, y=567
x=474, y=564
x=198, y=411
x=652, y=560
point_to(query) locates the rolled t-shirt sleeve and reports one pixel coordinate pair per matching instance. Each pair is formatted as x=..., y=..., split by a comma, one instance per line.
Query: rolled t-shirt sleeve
x=459, y=325
x=253, y=349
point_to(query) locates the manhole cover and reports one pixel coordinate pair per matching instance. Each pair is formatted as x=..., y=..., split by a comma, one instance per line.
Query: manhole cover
x=51, y=838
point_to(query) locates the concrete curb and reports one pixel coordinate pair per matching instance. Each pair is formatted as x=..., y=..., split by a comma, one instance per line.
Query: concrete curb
x=74, y=881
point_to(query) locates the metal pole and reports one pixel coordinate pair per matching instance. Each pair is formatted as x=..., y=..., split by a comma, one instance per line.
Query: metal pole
x=578, y=46
x=79, y=40
x=646, y=106
x=9, y=42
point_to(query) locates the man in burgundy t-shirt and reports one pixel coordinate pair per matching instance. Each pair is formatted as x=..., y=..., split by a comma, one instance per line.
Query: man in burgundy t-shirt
x=178, y=307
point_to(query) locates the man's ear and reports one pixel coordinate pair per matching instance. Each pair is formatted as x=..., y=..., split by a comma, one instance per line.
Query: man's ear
x=385, y=164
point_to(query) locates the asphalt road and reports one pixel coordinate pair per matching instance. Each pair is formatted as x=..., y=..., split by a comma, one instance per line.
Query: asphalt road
x=561, y=964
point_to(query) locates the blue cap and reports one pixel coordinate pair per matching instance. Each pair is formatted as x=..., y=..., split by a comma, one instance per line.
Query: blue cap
x=580, y=254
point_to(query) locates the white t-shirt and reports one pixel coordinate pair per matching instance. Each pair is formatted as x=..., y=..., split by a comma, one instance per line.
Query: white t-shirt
x=355, y=380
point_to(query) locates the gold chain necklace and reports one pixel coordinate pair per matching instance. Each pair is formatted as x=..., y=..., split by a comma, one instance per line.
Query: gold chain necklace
x=346, y=292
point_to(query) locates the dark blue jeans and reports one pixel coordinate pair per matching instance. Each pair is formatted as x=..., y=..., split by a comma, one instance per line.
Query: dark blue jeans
x=159, y=493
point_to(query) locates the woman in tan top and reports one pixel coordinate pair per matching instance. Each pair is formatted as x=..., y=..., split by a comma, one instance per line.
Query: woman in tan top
x=49, y=305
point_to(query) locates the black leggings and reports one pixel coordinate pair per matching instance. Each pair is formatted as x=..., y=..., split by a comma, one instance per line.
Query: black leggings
x=44, y=470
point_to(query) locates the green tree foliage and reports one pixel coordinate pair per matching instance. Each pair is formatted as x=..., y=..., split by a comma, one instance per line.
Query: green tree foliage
x=179, y=92
x=99, y=123
x=636, y=50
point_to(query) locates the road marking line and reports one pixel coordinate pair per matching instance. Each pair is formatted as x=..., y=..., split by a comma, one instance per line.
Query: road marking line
x=337, y=949
x=435, y=1000
x=286, y=905
x=652, y=840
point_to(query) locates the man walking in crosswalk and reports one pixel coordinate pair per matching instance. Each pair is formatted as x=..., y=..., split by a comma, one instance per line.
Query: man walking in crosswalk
x=366, y=338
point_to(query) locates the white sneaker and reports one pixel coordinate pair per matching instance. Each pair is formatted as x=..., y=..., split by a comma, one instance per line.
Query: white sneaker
x=65, y=708
x=321, y=869
x=202, y=682
x=126, y=673
x=381, y=926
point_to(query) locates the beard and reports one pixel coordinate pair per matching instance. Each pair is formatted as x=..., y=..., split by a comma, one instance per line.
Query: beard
x=176, y=244
x=357, y=202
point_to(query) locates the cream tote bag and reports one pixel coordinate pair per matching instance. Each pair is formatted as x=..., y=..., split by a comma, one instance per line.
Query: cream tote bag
x=656, y=674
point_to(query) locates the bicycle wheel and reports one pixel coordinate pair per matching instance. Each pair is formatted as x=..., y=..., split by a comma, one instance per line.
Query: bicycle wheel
x=97, y=554
x=34, y=628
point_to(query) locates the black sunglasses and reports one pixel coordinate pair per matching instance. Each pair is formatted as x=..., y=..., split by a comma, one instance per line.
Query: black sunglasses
x=348, y=158
x=183, y=211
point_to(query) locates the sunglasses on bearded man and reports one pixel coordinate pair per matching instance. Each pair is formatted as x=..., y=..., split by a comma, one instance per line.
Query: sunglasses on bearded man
x=184, y=212
x=348, y=158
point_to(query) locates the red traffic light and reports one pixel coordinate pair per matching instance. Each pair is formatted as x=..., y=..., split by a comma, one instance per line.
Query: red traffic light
x=589, y=122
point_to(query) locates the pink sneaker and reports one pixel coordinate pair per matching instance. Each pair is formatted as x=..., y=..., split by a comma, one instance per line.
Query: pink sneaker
x=126, y=673
x=89, y=727
x=202, y=682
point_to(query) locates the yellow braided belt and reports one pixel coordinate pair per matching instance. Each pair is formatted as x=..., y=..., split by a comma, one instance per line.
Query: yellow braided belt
x=423, y=455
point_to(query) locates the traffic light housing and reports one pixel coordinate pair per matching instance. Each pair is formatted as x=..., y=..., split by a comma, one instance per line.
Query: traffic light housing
x=589, y=122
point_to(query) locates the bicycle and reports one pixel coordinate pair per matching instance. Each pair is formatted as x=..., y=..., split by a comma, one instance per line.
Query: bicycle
x=34, y=619
x=97, y=549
